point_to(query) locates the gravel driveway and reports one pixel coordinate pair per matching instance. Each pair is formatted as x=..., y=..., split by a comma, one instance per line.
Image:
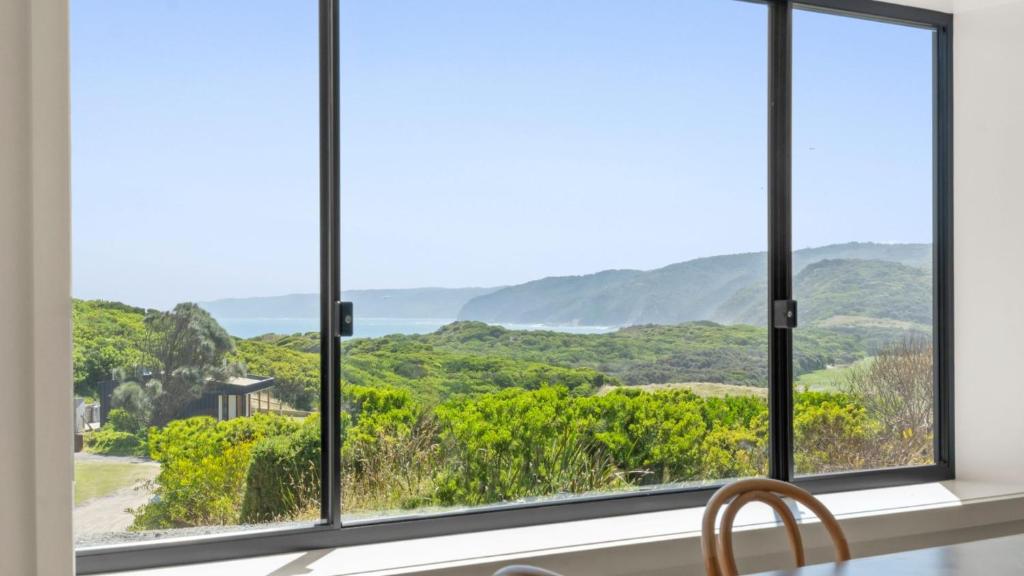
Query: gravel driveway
x=109, y=513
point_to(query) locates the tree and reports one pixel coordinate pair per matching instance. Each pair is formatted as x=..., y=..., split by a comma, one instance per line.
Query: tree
x=106, y=337
x=189, y=346
x=897, y=390
x=136, y=399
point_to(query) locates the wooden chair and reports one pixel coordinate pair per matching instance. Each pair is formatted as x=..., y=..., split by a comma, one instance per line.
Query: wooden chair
x=524, y=570
x=718, y=552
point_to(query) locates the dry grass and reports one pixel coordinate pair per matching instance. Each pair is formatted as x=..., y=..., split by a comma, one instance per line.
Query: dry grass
x=701, y=389
x=96, y=479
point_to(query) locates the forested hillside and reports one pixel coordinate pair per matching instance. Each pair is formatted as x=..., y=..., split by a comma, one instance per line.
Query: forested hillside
x=106, y=336
x=474, y=357
x=727, y=289
x=845, y=288
x=865, y=288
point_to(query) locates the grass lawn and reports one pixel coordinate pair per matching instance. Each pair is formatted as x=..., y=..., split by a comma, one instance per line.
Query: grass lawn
x=94, y=479
x=829, y=379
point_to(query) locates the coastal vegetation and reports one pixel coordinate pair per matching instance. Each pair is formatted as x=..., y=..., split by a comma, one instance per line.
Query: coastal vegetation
x=476, y=414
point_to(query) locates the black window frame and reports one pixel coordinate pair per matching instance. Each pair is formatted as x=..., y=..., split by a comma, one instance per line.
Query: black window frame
x=332, y=532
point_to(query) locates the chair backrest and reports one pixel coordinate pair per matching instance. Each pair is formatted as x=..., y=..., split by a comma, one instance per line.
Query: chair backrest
x=524, y=570
x=718, y=553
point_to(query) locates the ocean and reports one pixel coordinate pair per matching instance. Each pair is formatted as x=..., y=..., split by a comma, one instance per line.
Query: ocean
x=375, y=327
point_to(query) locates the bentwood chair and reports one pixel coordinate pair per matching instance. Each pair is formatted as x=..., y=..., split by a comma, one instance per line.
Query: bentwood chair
x=718, y=552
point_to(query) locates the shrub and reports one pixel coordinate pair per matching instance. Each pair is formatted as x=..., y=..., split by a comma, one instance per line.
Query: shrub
x=389, y=465
x=516, y=444
x=203, y=469
x=195, y=438
x=197, y=492
x=896, y=390
x=123, y=421
x=735, y=452
x=136, y=399
x=283, y=479
x=112, y=442
x=832, y=433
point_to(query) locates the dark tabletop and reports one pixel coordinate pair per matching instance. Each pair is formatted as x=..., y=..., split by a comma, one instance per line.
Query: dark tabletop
x=995, y=557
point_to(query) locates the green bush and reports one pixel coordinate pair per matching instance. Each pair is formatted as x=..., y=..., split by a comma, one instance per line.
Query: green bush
x=833, y=433
x=283, y=479
x=517, y=444
x=112, y=442
x=123, y=421
x=197, y=492
x=203, y=469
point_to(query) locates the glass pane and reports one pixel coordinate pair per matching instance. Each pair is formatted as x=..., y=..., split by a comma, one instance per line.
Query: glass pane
x=554, y=234
x=195, y=193
x=862, y=233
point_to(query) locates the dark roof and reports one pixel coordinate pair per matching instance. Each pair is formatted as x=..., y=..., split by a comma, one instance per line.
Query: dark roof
x=241, y=385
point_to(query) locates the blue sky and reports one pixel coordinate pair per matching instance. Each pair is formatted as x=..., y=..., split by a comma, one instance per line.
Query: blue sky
x=483, y=143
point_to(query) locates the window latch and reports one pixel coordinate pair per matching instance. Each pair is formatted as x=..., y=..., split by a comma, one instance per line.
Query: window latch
x=343, y=319
x=784, y=314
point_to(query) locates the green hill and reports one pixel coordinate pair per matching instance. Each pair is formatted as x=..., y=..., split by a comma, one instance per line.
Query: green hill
x=472, y=358
x=105, y=336
x=865, y=288
x=726, y=289
x=649, y=354
x=851, y=289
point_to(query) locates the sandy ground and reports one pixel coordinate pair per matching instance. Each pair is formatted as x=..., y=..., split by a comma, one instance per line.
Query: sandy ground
x=702, y=389
x=109, y=513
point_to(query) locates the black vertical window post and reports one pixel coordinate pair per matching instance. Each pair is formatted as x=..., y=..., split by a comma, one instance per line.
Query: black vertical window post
x=942, y=252
x=330, y=291
x=780, y=285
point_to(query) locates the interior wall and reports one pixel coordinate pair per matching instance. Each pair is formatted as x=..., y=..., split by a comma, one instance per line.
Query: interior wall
x=53, y=427
x=35, y=347
x=989, y=239
x=17, y=527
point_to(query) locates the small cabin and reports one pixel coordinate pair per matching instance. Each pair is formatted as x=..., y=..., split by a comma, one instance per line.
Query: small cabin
x=234, y=397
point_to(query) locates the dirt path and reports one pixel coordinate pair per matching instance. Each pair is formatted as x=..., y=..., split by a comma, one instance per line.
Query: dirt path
x=109, y=513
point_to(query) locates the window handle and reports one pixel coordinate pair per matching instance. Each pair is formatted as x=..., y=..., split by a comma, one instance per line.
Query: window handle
x=343, y=319
x=784, y=314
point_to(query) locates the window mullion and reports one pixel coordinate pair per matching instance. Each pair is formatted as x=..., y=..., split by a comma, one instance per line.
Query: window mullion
x=330, y=291
x=780, y=284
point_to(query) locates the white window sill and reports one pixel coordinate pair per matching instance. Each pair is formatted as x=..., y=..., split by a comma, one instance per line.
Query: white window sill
x=875, y=521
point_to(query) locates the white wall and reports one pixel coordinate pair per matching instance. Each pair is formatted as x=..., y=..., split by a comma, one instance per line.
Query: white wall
x=989, y=239
x=16, y=502
x=35, y=367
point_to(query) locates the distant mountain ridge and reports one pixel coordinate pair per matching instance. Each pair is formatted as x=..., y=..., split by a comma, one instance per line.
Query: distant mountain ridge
x=857, y=279
x=391, y=303
x=727, y=289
